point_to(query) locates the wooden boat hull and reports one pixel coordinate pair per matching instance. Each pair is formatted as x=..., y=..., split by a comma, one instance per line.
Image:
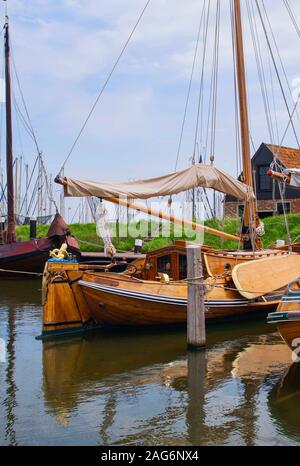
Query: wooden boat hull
x=287, y=319
x=28, y=256
x=76, y=299
x=113, y=303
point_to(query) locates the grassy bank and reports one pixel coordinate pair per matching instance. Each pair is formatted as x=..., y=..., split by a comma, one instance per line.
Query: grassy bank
x=89, y=241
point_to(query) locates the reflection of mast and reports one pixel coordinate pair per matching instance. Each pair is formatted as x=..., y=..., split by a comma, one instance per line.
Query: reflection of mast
x=250, y=206
x=108, y=418
x=11, y=230
x=247, y=412
x=10, y=400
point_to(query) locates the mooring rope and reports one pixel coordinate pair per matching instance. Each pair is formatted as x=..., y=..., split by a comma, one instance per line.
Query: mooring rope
x=22, y=272
x=99, y=246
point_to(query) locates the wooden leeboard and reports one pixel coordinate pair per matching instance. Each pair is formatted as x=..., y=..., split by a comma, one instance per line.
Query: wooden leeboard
x=260, y=277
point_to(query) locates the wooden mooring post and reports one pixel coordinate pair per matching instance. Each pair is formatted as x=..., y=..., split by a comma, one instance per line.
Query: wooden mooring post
x=196, y=332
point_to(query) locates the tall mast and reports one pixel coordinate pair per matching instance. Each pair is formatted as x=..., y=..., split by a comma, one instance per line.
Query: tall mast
x=250, y=214
x=11, y=227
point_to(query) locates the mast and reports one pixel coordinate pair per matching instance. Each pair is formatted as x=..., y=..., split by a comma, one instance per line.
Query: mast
x=250, y=215
x=11, y=227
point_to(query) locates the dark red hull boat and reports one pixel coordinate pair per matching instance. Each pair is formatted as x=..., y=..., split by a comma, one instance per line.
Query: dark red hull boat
x=30, y=256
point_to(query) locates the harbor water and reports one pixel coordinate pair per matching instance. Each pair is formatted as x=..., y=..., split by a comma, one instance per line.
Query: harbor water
x=141, y=387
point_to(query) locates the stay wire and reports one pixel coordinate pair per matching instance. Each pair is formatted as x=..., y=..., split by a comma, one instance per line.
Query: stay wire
x=276, y=70
x=200, y=99
x=279, y=55
x=104, y=86
x=292, y=16
x=30, y=130
x=190, y=85
x=260, y=69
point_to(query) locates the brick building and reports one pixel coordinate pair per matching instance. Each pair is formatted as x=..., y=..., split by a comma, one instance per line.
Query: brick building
x=269, y=201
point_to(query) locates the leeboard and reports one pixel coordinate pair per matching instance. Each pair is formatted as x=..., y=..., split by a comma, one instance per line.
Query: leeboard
x=257, y=278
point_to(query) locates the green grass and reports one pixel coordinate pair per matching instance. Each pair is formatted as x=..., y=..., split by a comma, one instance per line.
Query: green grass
x=89, y=241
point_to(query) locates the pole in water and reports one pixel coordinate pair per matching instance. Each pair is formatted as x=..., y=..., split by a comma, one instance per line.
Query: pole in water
x=196, y=332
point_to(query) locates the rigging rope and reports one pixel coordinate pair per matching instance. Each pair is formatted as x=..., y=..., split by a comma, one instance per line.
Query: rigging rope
x=276, y=69
x=104, y=85
x=292, y=16
x=260, y=69
x=279, y=55
x=30, y=130
x=215, y=80
x=190, y=85
x=281, y=185
x=200, y=99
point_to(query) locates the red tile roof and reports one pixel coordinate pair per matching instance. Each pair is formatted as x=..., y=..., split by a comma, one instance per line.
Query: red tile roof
x=289, y=157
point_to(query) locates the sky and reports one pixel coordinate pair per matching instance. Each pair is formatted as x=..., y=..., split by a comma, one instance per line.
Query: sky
x=65, y=49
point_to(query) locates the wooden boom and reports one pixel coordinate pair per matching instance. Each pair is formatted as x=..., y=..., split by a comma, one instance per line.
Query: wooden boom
x=172, y=218
x=162, y=215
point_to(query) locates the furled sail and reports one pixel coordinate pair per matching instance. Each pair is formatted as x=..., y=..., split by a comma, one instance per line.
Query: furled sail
x=198, y=175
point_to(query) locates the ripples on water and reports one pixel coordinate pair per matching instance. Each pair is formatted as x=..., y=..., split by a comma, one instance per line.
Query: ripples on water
x=141, y=387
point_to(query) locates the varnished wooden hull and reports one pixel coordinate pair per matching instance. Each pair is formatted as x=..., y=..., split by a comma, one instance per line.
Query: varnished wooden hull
x=115, y=302
x=287, y=318
x=290, y=332
x=76, y=299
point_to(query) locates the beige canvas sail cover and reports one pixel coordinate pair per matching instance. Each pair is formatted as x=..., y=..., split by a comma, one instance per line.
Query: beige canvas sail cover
x=295, y=176
x=197, y=175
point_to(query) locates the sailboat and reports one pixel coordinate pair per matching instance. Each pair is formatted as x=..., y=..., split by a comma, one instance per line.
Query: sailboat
x=25, y=259
x=287, y=315
x=77, y=299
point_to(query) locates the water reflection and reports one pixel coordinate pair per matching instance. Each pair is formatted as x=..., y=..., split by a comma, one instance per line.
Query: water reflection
x=11, y=387
x=142, y=387
x=20, y=294
x=217, y=390
x=284, y=400
x=73, y=367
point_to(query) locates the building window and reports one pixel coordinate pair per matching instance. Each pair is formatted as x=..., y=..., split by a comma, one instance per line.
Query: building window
x=265, y=182
x=280, y=208
x=265, y=213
